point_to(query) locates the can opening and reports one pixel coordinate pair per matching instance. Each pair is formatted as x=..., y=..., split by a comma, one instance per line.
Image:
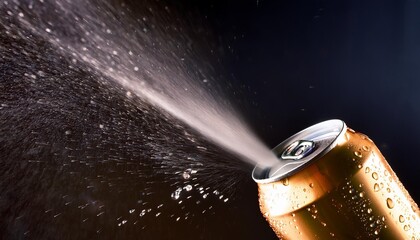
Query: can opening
x=300, y=149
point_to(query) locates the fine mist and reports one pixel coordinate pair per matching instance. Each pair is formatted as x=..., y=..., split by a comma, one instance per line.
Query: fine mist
x=151, y=57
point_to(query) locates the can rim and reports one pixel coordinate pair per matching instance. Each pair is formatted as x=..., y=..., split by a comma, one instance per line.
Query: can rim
x=261, y=174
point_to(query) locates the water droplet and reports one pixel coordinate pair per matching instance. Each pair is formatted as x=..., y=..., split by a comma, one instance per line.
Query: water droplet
x=175, y=195
x=376, y=187
x=304, y=190
x=376, y=232
x=101, y=126
x=132, y=210
x=369, y=210
x=401, y=218
x=388, y=190
x=361, y=194
x=68, y=132
x=359, y=166
x=390, y=203
x=205, y=195
x=188, y=187
x=358, y=154
x=286, y=181
x=365, y=148
x=367, y=170
x=186, y=174
x=311, y=185
x=375, y=176
x=407, y=227
x=136, y=69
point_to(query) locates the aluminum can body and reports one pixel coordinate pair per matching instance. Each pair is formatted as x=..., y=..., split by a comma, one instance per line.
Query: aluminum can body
x=348, y=192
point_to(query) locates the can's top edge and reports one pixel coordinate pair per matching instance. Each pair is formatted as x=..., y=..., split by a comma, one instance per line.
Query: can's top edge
x=299, y=150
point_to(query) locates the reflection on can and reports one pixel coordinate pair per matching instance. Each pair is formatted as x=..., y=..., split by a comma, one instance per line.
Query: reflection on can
x=333, y=183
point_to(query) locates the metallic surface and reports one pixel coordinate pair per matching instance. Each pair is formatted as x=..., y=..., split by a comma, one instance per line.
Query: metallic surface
x=322, y=138
x=349, y=193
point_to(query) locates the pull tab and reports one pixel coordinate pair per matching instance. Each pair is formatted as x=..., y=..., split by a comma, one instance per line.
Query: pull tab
x=298, y=150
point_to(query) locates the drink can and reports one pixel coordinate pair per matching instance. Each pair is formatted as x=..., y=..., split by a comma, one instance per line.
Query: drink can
x=331, y=182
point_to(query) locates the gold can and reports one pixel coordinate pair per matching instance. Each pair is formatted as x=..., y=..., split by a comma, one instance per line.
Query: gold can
x=333, y=183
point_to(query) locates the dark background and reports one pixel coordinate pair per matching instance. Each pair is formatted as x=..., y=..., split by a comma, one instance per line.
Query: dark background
x=286, y=64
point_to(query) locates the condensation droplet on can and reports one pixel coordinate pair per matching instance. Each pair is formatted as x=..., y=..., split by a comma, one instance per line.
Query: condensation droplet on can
x=358, y=154
x=286, y=181
x=401, y=218
x=376, y=187
x=365, y=148
x=390, y=203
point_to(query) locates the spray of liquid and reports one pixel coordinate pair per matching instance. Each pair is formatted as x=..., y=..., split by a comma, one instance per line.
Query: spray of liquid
x=152, y=58
x=101, y=110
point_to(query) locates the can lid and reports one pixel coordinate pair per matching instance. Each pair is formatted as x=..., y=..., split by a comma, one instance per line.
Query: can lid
x=301, y=149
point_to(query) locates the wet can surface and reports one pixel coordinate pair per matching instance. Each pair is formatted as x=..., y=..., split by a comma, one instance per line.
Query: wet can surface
x=333, y=183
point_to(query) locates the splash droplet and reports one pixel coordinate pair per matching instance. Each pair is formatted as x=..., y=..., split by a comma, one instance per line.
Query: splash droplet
x=175, y=195
x=376, y=187
x=186, y=174
x=188, y=188
x=367, y=170
x=375, y=176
